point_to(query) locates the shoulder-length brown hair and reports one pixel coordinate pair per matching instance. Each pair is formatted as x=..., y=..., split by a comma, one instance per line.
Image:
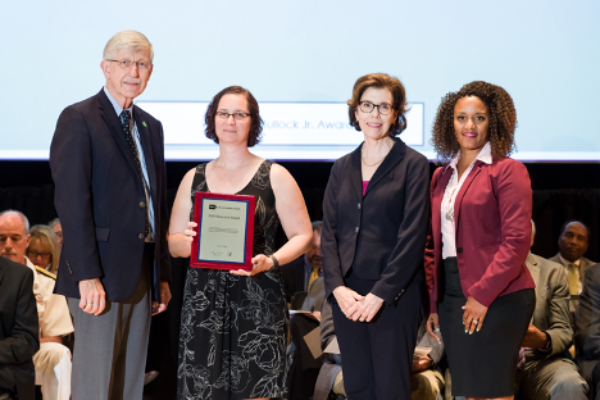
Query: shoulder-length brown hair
x=46, y=236
x=256, y=125
x=384, y=81
x=502, y=120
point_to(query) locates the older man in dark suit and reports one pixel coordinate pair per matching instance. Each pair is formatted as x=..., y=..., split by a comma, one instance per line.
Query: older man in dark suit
x=107, y=161
x=18, y=330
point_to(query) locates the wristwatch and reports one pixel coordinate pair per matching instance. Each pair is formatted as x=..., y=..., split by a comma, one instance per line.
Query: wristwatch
x=275, y=261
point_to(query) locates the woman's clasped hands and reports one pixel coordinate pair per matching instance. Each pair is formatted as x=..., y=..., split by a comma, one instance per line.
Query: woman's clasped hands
x=357, y=307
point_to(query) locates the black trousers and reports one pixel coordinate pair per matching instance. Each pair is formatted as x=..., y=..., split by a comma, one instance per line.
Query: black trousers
x=377, y=355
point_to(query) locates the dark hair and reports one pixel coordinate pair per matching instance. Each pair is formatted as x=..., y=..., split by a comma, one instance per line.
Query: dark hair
x=384, y=81
x=502, y=122
x=256, y=126
x=317, y=226
x=564, y=226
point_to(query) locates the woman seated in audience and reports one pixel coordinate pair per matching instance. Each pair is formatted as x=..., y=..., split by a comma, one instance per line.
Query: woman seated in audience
x=43, y=249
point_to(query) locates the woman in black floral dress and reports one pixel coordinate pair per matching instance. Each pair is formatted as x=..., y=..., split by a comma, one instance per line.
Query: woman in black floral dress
x=233, y=324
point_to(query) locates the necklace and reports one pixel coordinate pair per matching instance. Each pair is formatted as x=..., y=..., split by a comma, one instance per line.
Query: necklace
x=378, y=162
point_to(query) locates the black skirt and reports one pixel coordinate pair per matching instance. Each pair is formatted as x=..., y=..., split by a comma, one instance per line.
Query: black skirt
x=483, y=364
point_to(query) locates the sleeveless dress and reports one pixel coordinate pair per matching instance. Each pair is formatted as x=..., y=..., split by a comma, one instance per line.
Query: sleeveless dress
x=233, y=328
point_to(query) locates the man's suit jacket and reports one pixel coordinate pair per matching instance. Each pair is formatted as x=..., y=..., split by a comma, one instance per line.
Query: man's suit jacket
x=293, y=277
x=492, y=215
x=380, y=235
x=101, y=201
x=587, y=323
x=18, y=329
x=584, y=264
x=315, y=296
x=551, y=314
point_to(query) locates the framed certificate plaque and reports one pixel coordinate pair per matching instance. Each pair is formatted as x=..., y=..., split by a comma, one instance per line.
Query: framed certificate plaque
x=225, y=235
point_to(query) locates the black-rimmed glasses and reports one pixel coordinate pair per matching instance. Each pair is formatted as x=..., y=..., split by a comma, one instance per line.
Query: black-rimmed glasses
x=238, y=116
x=367, y=107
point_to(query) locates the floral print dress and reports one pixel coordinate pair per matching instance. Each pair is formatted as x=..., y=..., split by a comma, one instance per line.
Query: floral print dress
x=233, y=328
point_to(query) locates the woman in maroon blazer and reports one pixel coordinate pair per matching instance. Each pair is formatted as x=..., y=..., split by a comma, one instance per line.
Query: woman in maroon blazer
x=481, y=293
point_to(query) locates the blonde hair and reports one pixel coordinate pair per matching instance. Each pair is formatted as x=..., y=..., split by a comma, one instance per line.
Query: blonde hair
x=45, y=235
x=130, y=40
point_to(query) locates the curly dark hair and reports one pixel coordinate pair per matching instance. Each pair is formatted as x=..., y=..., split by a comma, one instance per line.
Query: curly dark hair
x=502, y=122
x=256, y=126
x=380, y=80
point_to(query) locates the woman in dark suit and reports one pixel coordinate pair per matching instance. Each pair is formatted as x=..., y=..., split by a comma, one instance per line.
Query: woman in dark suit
x=374, y=229
x=481, y=233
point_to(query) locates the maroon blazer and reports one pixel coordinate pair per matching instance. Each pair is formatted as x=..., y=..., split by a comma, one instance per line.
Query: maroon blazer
x=493, y=231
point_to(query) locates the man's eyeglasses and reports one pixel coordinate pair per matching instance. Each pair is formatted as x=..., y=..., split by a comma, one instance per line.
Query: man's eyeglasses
x=126, y=64
x=367, y=107
x=237, y=116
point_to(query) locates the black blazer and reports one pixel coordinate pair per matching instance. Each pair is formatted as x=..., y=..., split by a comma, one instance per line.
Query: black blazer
x=100, y=198
x=18, y=329
x=381, y=236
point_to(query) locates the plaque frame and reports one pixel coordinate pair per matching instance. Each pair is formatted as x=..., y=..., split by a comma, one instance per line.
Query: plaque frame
x=195, y=260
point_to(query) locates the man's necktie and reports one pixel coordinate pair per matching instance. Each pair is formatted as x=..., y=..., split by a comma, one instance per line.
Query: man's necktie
x=125, y=122
x=313, y=276
x=573, y=280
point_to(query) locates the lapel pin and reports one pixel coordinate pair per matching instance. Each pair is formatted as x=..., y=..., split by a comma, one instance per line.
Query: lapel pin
x=144, y=123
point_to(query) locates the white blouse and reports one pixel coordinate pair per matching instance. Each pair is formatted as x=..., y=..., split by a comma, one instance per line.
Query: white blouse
x=452, y=189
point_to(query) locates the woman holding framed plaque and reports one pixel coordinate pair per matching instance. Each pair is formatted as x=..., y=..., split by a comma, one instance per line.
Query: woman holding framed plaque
x=374, y=229
x=234, y=321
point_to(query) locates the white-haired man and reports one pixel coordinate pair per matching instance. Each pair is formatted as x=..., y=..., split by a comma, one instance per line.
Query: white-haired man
x=53, y=361
x=107, y=161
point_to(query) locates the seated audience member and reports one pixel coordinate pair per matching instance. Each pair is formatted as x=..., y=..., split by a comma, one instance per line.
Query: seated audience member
x=53, y=361
x=57, y=229
x=303, y=271
x=426, y=381
x=43, y=249
x=544, y=371
x=304, y=368
x=18, y=329
x=587, y=330
x=572, y=245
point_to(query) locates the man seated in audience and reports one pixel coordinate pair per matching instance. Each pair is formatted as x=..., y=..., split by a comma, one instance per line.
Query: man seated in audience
x=427, y=381
x=544, y=371
x=587, y=330
x=572, y=245
x=18, y=330
x=302, y=272
x=57, y=228
x=53, y=360
x=304, y=368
